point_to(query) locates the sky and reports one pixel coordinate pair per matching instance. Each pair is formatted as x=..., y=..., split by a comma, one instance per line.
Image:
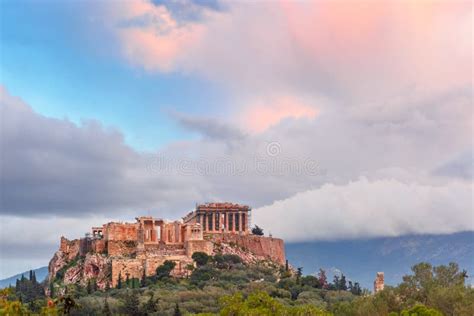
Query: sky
x=332, y=119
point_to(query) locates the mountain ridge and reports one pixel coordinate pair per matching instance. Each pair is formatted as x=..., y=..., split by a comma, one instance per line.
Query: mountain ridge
x=41, y=274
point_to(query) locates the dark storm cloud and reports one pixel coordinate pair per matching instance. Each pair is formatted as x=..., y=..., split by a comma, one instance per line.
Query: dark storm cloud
x=52, y=166
x=209, y=127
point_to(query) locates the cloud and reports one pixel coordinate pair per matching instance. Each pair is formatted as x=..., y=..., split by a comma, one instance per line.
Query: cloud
x=24, y=249
x=369, y=51
x=51, y=166
x=150, y=36
x=363, y=209
x=209, y=127
x=263, y=114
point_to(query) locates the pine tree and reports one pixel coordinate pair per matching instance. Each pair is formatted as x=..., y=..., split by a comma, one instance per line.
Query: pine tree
x=106, y=309
x=51, y=289
x=89, y=287
x=356, y=290
x=177, y=311
x=131, y=303
x=342, y=283
x=119, y=282
x=299, y=273
x=150, y=305
x=336, y=282
x=143, y=280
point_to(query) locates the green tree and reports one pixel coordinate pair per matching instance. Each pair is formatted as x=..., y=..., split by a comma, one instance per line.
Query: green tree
x=299, y=273
x=151, y=305
x=201, y=258
x=51, y=289
x=127, y=280
x=177, y=311
x=203, y=274
x=311, y=281
x=143, y=279
x=131, y=303
x=342, y=283
x=355, y=289
x=421, y=310
x=164, y=271
x=89, y=287
x=336, y=283
x=256, y=230
x=260, y=303
x=106, y=309
x=119, y=281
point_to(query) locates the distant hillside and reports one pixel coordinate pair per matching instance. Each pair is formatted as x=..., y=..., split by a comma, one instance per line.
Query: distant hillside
x=41, y=274
x=361, y=259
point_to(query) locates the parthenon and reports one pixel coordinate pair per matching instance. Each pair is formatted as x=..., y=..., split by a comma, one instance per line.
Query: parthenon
x=221, y=218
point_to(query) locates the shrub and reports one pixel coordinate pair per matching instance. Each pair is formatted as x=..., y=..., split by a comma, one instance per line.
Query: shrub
x=421, y=310
x=202, y=275
x=256, y=230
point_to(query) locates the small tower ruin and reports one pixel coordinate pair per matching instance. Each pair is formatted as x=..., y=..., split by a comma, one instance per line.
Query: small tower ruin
x=379, y=282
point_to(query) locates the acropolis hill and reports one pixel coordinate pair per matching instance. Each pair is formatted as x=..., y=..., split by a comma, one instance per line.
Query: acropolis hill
x=135, y=249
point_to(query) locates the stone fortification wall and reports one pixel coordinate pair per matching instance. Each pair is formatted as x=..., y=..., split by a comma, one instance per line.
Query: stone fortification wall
x=134, y=267
x=193, y=246
x=121, y=231
x=268, y=247
x=119, y=248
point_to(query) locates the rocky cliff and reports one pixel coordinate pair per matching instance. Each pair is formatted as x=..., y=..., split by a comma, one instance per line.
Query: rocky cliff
x=68, y=266
x=80, y=262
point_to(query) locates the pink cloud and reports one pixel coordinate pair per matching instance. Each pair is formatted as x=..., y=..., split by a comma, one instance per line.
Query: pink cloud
x=146, y=48
x=364, y=51
x=378, y=45
x=150, y=37
x=263, y=114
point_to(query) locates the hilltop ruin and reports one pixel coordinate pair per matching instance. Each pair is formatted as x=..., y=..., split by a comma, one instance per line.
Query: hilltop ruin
x=131, y=250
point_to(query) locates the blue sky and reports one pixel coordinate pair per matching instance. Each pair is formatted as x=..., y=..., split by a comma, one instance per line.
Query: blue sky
x=62, y=71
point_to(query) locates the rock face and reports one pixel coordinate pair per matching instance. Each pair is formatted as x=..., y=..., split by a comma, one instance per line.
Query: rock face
x=262, y=248
x=69, y=267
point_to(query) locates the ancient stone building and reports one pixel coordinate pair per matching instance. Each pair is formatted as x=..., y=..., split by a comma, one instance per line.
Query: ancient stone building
x=379, y=282
x=133, y=249
x=221, y=218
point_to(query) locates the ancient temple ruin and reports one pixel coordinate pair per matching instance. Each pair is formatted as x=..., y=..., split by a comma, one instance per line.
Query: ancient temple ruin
x=138, y=248
x=221, y=218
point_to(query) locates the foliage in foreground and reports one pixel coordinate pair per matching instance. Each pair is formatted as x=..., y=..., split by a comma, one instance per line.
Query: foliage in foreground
x=224, y=285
